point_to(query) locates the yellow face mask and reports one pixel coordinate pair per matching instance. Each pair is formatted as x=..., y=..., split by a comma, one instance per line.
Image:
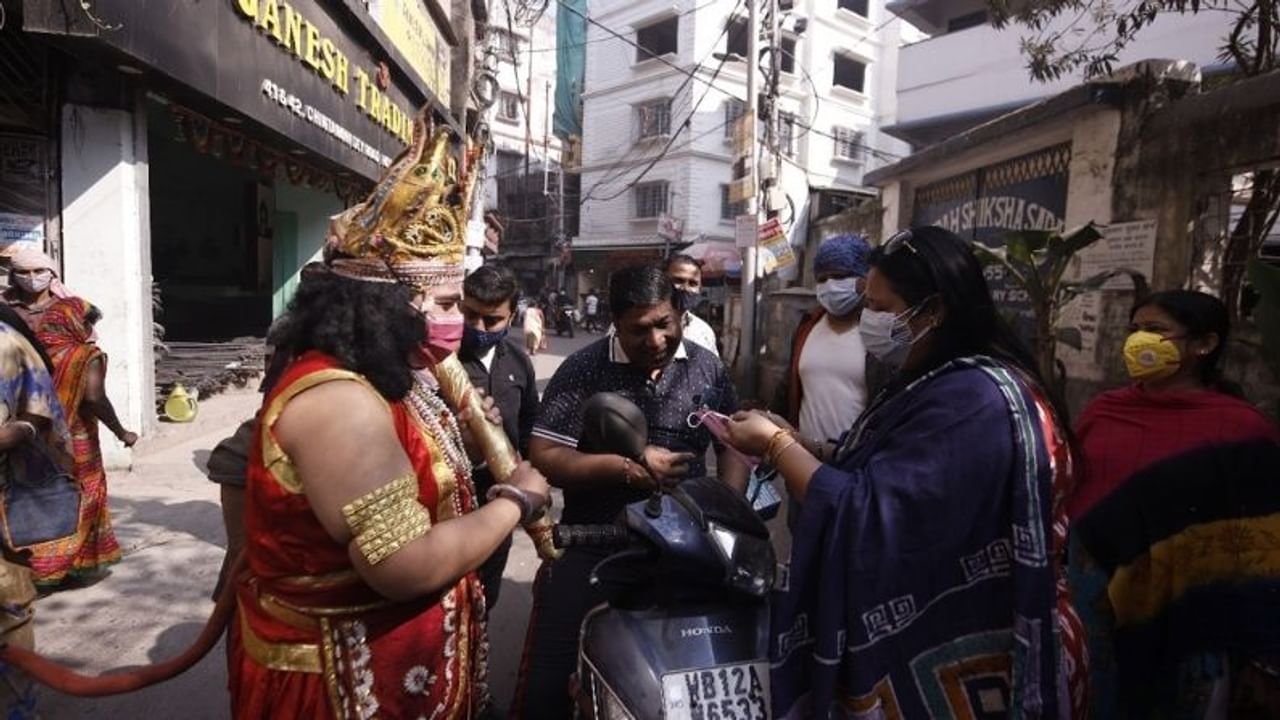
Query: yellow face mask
x=1151, y=356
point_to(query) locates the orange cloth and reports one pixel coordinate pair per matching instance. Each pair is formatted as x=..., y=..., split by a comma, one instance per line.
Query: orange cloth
x=65, y=334
x=302, y=604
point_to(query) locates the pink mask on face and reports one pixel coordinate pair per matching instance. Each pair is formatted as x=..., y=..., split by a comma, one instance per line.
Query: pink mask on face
x=444, y=337
x=718, y=425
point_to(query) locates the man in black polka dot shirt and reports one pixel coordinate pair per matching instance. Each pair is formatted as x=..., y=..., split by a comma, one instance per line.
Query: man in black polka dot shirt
x=646, y=361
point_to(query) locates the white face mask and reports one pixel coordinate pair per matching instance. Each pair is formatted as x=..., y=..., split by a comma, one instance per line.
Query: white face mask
x=35, y=282
x=888, y=337
x=839, y=296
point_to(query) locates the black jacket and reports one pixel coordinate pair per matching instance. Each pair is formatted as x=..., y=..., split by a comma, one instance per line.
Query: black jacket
x=513, y=385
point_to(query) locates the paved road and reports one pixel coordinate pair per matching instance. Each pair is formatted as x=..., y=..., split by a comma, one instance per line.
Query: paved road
x=169, y=522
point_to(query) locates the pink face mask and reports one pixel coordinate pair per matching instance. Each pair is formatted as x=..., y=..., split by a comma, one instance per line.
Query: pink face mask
x=718, y=425
x=444, y=336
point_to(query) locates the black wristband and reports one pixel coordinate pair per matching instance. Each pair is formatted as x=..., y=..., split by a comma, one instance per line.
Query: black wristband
x=531, y=506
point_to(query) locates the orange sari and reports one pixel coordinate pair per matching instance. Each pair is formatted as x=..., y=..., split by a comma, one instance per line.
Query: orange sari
x=67, y=337
x=311, y=639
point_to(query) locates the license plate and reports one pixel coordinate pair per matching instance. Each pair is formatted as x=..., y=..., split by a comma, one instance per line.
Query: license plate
x=730, y=692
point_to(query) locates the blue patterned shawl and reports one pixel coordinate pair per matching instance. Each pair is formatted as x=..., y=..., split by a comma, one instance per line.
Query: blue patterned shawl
x=922, y=581
x=26, y=388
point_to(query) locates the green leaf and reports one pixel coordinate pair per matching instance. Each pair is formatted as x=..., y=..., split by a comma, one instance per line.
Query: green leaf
x=1066, y=246
x=1097, y=281
x=1071, y=337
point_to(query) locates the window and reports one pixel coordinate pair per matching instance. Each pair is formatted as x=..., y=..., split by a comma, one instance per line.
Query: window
x=850, y=73
x=508, y=163
x=507, y=45
x=848, y=143
x=857, y=7
x=964, y=22
x=730, y=210
x=733, y=109
x=736, y=38
x=508, y=107
x=787, y=134
x=650, y=199
x=660, y=38
x=653, y=119
x=788, y=60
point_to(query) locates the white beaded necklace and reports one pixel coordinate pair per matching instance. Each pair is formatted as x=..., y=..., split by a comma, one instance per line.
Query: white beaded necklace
x=443, y=426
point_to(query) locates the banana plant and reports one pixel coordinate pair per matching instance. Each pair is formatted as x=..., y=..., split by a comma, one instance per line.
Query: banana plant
x=1037, y=262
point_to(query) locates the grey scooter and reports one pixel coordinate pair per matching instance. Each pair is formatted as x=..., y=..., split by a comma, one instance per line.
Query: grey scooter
x=684, y=634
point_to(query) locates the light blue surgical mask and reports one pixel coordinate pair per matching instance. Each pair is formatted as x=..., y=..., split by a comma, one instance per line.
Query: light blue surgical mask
x=888, y=337
x=839, y=296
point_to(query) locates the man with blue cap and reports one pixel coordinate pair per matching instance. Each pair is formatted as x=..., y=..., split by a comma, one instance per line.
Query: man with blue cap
x=828, y=386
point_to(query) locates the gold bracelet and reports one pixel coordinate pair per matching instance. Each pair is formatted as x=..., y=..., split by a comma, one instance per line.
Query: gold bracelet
x=387, y=518
x=780, y=441
x=783, y=451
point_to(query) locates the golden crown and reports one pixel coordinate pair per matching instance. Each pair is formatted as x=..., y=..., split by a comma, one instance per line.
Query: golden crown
x=412, y=227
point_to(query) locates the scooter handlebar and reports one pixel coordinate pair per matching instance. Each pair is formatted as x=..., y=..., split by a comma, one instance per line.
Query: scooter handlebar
x=563, y=536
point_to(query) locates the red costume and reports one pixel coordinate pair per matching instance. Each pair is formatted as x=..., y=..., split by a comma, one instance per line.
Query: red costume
x=311, y=639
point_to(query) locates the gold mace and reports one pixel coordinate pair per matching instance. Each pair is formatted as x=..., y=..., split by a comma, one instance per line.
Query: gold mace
x=498, y=453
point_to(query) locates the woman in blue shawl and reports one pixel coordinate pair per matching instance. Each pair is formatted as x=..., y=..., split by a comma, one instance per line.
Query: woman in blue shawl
x=925, y=576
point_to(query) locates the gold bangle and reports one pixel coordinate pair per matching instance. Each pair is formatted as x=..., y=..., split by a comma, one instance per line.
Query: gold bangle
x=783, y=451
x=387, y=518
x=775, y=443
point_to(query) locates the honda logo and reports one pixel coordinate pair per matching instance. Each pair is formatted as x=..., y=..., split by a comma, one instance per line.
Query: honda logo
x=706, y=630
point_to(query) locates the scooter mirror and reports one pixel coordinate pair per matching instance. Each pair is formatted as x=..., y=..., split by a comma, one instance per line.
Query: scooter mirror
x=613, y=424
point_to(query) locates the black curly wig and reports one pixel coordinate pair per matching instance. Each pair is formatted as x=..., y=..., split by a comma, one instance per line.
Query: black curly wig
x=369, y=328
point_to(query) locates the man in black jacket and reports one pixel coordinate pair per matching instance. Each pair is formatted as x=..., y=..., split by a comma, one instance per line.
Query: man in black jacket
x=497, y=365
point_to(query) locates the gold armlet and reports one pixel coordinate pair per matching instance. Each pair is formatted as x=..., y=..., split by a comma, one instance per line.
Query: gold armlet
x=387, y=518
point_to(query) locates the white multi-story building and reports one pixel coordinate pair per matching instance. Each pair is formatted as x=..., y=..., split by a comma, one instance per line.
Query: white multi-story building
x=657, y=143
x=520, y=123
x=968, y=72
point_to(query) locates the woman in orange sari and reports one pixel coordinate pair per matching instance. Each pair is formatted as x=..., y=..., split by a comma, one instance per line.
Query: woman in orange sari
x=79, y=373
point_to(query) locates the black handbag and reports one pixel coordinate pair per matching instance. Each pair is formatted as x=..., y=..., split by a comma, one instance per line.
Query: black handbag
x=41, y=501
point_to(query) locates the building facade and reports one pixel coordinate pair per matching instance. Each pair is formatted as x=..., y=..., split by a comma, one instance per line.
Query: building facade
x=657, y=152
x=967, y=72
x=522, y=185
x=195, y=152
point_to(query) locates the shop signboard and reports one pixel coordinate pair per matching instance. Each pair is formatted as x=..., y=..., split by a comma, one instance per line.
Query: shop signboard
x=1024, y=193
x=413, y=32
x=308, y=70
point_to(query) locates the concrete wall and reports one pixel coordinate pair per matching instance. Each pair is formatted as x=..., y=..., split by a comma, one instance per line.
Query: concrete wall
x=983, y=68
x=106, y=243
x=313, y=209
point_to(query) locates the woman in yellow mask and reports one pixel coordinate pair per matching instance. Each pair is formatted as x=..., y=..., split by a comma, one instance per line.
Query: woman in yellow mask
x=1175, y=536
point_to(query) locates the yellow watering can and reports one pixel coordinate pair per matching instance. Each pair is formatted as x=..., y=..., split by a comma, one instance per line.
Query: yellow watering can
x=181, y=405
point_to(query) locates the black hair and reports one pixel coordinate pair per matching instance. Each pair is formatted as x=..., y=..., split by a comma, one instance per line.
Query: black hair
x=369, y=328
x=93, y=315
x=10, y=317
x=683, y=259
x=1202, y=315
x=492, y=285
x=937, y=263
x=638, y=286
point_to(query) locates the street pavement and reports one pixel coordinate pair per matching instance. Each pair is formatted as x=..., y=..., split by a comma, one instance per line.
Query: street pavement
x=153, y=604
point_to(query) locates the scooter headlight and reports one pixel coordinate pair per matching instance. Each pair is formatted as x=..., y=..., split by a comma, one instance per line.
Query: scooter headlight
x=750, y=560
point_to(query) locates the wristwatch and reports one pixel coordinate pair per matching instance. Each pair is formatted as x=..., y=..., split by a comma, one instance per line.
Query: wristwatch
x=532, y=506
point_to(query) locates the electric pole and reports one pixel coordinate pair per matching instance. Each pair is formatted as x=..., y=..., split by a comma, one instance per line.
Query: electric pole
x=774, y=112
x=747, y=346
